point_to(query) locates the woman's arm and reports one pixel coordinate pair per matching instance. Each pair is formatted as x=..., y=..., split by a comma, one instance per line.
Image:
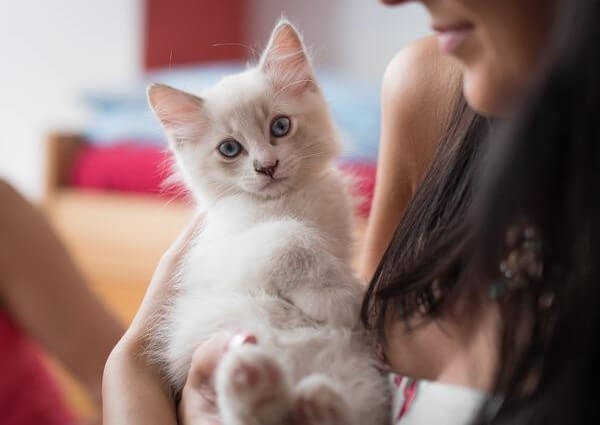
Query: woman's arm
x=418, y=90
x=42, y=290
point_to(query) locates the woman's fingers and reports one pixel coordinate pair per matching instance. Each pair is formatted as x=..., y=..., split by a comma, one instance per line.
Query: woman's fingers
x=207, y=356
x=198, y=398
x=205, y=360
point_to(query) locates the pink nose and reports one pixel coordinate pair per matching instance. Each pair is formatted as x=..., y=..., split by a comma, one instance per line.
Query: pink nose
x=266, y=169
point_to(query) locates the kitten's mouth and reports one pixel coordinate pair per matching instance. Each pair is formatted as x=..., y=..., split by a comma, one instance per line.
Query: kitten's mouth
x=273, y=182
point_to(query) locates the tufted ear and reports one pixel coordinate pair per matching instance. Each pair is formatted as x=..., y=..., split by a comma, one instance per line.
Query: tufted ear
x=286, y=62
x=181, y=114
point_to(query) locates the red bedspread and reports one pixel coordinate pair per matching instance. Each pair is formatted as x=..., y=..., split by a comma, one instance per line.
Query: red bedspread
x=131, y=167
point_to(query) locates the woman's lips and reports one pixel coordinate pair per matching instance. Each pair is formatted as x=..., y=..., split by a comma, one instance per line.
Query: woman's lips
x=450, y=38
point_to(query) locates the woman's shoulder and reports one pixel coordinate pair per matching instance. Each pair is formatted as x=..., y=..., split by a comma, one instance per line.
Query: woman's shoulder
x=419, y=93
x=420, y=82
x=421, y=63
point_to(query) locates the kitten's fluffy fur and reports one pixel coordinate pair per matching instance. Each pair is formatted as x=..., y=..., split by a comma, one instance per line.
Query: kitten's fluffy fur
x=272, y=259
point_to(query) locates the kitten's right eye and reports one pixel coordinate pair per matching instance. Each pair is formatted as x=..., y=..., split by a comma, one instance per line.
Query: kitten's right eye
x=230, y=148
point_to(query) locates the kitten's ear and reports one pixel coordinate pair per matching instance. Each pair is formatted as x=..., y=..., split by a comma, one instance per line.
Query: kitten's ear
x=180, y=113
x=286, y=62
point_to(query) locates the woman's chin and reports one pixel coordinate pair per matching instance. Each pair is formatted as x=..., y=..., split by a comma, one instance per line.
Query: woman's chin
x=484, y=95
x=477, y=97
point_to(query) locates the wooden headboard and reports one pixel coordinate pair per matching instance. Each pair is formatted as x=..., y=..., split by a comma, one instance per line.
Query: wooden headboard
x=194, y=31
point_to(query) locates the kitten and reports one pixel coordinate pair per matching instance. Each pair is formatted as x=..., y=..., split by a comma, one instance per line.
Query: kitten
x=257, y=150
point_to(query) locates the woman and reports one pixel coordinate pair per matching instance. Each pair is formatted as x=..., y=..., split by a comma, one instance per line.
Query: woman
x=503, y=257
x=519, y=268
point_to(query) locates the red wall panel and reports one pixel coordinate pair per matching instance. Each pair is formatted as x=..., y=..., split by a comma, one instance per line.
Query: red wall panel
x=186, y=31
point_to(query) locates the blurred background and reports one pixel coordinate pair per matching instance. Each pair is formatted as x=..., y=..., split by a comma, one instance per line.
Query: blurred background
x=53, y=52
x=77, y=137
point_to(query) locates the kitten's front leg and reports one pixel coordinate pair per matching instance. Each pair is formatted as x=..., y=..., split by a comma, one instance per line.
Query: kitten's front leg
x=251, y=389
x=333, y=306
x=327, y=292
x=303, y=271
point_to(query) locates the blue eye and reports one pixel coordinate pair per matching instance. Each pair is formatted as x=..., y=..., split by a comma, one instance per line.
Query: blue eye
x=280, y=126
x=230, y=148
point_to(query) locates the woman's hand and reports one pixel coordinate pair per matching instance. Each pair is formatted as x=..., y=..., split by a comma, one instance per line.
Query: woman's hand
x=198, y=399
x=132, y=389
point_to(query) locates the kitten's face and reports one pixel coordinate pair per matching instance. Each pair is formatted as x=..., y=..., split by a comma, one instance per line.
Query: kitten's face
x=265, y=131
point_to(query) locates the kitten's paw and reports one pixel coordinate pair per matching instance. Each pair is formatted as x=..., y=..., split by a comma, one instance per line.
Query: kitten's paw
x=251, y=388
x=317, y=402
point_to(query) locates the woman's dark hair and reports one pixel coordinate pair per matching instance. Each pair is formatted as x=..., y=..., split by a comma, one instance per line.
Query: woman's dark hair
x=418, y=263
x=528, y=197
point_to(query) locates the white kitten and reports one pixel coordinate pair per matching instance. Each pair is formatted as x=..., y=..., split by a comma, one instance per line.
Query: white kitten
x=257, y=151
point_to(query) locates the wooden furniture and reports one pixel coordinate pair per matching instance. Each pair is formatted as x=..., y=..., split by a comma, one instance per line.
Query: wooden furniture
x=116, y=238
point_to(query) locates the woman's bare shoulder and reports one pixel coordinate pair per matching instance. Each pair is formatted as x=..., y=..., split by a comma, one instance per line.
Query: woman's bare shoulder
x=419, y=89
x=420, y=84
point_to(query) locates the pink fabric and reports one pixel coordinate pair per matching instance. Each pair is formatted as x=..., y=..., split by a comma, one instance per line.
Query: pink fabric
x=126, y=166
x=132, y=167
x=363, y=173
x=28, y=394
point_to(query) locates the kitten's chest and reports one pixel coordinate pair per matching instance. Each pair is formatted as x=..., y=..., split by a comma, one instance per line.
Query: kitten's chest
x=323, y=205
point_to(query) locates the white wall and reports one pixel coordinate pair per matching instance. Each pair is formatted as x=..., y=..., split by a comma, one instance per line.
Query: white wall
x=50, y=50
x=358, y=36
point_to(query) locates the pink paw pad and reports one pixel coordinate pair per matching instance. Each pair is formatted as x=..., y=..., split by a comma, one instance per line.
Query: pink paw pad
x=256, y=378
x=262, y=373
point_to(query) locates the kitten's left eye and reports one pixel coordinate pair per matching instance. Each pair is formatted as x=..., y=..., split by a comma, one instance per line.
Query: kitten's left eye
x=230, y=148
x=280, y=126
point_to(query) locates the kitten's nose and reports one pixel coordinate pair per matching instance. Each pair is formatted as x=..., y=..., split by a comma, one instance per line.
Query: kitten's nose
x=266, y=169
